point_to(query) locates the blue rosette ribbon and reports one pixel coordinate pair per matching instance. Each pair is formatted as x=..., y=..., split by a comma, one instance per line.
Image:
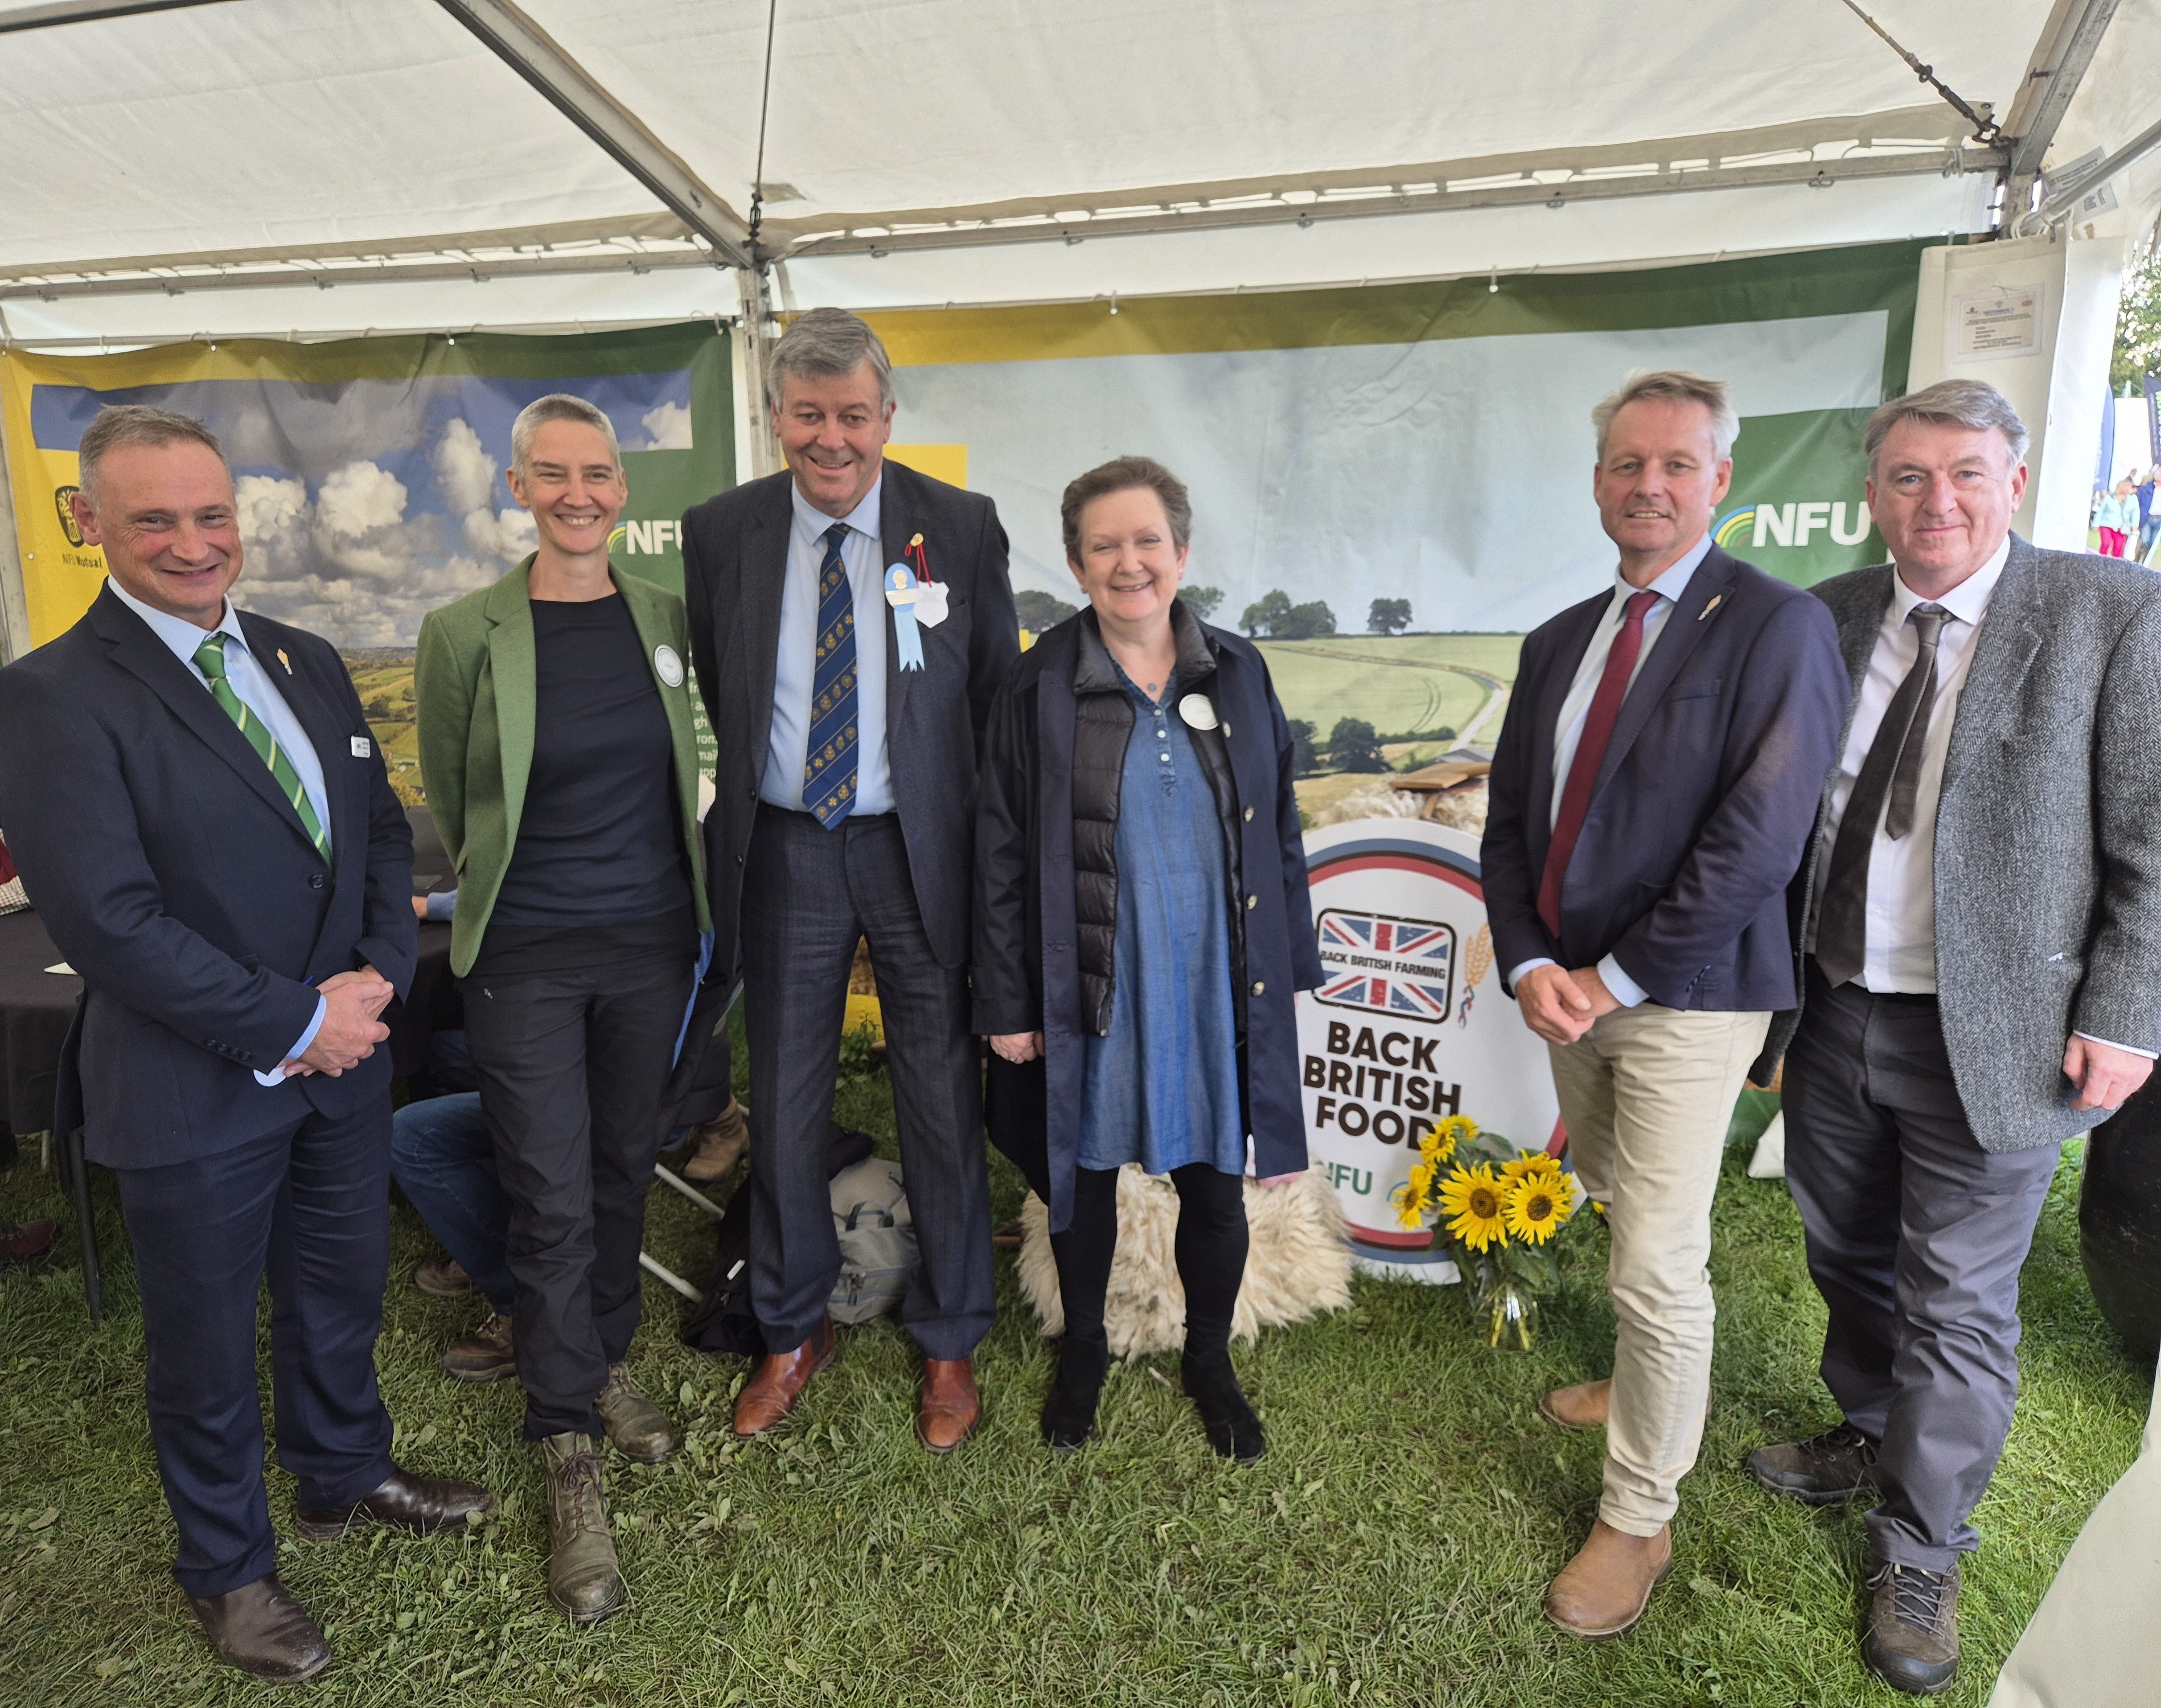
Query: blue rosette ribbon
x=902, y=590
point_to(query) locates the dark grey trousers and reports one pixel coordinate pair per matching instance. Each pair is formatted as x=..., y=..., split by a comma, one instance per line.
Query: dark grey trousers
x=1915, y=1238
x=571, y=1067
x=808, y=894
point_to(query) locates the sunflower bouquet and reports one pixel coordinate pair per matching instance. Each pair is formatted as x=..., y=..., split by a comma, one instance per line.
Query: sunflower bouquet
x=1499, y=1210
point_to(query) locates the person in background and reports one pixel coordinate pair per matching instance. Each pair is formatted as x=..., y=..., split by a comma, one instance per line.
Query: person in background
x=1137, y=818
x=194, y=797
x=1981, y=906
x=1657, y=771
x=848, y=729
x=2117, y=519
x=557, y=750
x=2149, y=523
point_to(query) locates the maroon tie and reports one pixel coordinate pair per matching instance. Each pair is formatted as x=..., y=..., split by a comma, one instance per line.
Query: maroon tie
x=1591, y=753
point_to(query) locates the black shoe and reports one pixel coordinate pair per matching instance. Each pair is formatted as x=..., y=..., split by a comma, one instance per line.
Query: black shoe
x=261, y=1629
x=420, y=1504
x=1913, y=1642
x=1233, y=1429
x=1069, y=1412
x=1837, y=1465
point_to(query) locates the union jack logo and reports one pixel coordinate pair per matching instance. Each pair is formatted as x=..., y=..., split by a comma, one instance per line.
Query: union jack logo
x=1387, y=966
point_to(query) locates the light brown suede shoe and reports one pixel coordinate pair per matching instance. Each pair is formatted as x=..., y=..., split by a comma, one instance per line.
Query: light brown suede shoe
x=950, y=1406
x=722, y=1143
x=771, y=1394
x=1585, y=1406
x=1604, y=1590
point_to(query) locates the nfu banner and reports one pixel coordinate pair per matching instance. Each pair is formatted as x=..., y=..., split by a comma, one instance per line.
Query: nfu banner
x=1408, y=1026
x=369, y=472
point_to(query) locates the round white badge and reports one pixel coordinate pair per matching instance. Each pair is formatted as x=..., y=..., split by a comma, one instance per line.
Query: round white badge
x=667, y=665
x=1197, y=711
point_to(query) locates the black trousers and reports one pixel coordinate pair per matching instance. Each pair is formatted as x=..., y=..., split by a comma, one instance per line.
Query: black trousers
x=309, y=1207
x=571, y=1067
x=1211, y=1250
x=808, y=893
x=1915, y=1238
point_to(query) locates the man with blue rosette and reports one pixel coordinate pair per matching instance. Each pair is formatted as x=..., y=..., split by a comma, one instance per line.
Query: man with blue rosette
x=850, y=622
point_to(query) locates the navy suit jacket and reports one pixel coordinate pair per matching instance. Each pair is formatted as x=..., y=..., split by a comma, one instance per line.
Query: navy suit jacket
x=177, y=879
x=1704, y=803
x=735, y=564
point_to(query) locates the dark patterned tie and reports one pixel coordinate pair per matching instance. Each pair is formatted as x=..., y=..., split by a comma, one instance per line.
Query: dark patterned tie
x=209, y=659
x=1591, y=753
x=1892, y=771
x=829, y=765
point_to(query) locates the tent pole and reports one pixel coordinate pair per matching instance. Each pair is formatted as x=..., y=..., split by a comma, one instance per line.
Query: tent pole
x=756, y=325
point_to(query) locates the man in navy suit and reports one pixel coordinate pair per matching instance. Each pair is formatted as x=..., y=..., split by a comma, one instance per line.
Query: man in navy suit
x=196, y=801
x=1655, y=785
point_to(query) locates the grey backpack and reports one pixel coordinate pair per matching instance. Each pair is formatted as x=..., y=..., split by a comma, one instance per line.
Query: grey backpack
x=878, y=1255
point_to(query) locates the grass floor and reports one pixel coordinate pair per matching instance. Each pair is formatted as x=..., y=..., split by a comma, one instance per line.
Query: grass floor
x=1391, y=1549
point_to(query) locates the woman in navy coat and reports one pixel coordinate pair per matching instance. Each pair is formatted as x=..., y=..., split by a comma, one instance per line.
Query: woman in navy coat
x=1140, y=925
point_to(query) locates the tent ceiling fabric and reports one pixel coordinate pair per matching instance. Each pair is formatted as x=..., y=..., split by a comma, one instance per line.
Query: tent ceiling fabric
x=351, y=130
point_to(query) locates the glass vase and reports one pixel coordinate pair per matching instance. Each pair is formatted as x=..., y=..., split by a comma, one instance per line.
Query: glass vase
x=1509, y=1316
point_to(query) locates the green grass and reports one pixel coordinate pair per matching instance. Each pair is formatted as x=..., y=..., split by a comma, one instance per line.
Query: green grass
x=1391, y=1549
x=1400, y=684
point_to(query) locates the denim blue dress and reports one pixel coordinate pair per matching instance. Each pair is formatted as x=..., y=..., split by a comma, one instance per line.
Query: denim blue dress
x=1162, y=1088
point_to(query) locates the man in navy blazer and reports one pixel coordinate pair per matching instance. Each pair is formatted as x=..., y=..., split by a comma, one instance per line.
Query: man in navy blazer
x=1654, y=786
x=199, y=811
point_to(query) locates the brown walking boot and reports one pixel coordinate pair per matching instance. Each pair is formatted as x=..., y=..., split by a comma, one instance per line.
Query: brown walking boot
x=487, y=1354
x=1604, y=1589
x=1839, y=1464
x=771, y=1394
x=584, y=1580
x=639, y=1429
x=442, y=1277
x=722, y=1144
x=1913, y=1640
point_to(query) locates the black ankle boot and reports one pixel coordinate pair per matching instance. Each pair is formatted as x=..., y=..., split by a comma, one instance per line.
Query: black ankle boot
x=1069, y=1412
x=1233, y=1429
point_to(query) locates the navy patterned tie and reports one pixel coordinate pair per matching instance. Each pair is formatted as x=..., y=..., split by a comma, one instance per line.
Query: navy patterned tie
x=829, y=766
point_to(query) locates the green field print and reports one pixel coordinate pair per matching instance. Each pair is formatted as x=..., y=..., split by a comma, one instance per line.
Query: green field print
x=1402, y=684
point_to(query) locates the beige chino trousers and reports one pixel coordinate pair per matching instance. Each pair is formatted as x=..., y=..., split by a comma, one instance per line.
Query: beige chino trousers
x=1647, y=1094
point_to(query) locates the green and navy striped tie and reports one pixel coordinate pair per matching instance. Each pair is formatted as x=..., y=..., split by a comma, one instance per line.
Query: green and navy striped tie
x=209, y=659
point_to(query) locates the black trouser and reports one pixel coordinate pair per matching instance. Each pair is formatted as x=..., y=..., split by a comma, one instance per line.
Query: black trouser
x=308, y=1207
x=1915, y=1238
x=1211, y=1250
x=571, y=1068
x=808, y=893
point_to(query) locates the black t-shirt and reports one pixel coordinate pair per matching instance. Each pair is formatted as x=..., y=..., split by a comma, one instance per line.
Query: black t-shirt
x=598, y=840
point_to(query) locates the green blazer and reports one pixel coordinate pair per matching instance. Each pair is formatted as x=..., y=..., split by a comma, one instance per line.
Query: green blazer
x=473, y=688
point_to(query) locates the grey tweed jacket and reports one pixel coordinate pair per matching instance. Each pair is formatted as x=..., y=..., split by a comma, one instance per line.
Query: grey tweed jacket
x=2048, y=869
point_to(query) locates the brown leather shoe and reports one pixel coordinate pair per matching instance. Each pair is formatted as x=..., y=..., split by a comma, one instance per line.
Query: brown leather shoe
x=771, y=1394
x=420, y=1504
x=722, y=1144
x=950, y=1406
x=442, y=1277
x=261, y=1629
x=1604, y=1590
x=487, y=1354
x=1585, y=1406
x=21, y=1241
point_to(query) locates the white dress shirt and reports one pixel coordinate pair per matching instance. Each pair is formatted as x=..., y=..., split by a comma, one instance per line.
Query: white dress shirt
x=794, y=665
x=256, y=690
x=1899, y=951
x=1669, y=584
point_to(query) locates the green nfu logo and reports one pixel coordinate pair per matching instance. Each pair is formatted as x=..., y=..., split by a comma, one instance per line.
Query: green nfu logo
x=644, y=539
x=62, y=501
x=1754, y=526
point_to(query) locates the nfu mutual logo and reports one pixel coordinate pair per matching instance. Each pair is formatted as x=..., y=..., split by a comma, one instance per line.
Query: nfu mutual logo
x=1754, y=526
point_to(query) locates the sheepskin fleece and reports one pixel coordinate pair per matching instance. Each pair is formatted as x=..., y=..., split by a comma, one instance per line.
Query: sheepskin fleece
x=1298, y=1265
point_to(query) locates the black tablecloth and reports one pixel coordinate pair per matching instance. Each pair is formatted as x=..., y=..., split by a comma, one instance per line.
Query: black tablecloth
x=36, y=1008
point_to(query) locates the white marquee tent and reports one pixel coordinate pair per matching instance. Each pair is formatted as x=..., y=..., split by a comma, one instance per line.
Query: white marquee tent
x=310, y=167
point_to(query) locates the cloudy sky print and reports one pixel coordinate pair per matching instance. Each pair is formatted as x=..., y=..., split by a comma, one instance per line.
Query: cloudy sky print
x=366, y=503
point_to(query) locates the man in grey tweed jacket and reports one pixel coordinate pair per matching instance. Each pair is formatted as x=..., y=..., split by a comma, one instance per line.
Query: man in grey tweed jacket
x=1980, y=918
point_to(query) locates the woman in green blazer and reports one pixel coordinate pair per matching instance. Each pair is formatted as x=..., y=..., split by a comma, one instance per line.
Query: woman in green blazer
x=557, y=750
